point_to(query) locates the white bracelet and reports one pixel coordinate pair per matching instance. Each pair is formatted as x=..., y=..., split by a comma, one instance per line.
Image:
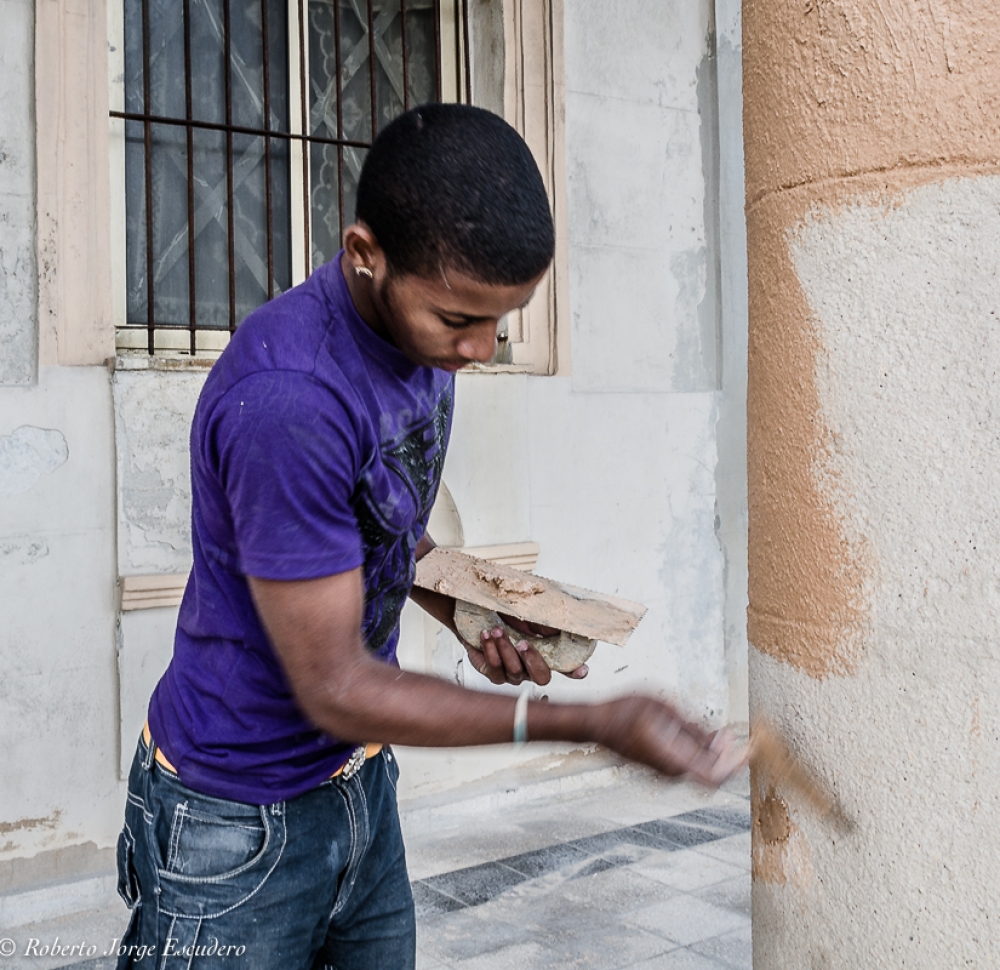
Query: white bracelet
x=521, y=718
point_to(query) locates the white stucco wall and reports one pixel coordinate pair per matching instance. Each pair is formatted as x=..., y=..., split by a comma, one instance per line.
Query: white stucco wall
x=624, y=450
x=58, y=607
x=731, y=431
x=57, y=614
x=614, y=469
x=18, y=275
x=905, y=296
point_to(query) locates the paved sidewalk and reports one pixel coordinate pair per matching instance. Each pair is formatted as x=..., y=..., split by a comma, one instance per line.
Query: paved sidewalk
x=636, y=873
x=608, y=869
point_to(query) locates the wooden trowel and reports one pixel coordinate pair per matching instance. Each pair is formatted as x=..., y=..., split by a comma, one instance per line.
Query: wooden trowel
x=770, y=754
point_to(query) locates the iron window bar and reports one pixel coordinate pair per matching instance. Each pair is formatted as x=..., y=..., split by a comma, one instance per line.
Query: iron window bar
x=382, y=78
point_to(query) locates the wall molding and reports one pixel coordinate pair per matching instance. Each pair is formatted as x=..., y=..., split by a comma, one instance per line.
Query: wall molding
x=165, y=590
x=148, y=592
x=518, y=555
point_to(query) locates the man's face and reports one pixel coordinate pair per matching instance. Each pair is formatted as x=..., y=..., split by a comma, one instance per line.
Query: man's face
x=448, y=321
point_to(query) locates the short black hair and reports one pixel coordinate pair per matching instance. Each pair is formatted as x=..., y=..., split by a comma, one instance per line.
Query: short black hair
x=450, y=185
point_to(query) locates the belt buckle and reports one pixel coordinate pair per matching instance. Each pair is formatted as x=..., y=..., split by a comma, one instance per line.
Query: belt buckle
x=353, y=764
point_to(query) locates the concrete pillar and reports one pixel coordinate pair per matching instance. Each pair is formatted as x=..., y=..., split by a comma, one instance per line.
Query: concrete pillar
x=873, y=215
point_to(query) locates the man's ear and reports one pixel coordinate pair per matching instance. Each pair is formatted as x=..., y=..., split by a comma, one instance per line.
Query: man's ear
x=363, y=249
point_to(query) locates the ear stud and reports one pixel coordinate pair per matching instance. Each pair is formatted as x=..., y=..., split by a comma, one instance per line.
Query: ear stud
x=364, y=271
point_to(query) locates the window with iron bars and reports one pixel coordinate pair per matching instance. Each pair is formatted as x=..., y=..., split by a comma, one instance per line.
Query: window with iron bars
x=238, y=133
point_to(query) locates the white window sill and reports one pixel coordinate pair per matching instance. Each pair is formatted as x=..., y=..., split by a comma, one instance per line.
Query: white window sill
x=140, y=361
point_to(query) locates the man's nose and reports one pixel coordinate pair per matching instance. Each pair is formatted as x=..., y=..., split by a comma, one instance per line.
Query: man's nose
x=480, y=343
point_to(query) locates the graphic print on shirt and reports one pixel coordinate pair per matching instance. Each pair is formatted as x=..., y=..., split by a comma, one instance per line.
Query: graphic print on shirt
x=392, y=507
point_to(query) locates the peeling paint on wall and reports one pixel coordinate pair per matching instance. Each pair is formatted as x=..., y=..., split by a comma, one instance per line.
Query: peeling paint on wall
x=18, y=274
x=23, y=550
x=153, y=412
x=27, y=455
x=24, y=824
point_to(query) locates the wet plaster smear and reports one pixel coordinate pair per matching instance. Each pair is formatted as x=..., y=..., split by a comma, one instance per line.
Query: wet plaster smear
x=873, y=134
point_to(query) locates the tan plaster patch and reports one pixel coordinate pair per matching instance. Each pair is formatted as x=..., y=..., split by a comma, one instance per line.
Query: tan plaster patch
x=806, y=588
x=845, y=101
x=772, y=819
x=834, y=88
x=780, y=853
x=810, y=577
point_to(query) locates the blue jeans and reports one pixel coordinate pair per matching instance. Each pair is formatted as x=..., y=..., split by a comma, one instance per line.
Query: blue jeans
x=315, y=883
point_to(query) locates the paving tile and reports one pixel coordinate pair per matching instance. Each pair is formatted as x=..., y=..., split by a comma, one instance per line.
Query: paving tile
x=429, y=902
x=607, y=946
x=475, y=884
x=603, y=863
x=687, y=870
x=681, y=959
x=539, y=907
x=642, y=798
x=464, y=934
x=732, y=894
x=685, y=919
x=580, y=934
x=446, y=850
x=678, y=833
x=568, y=825
x=426, y=962
x=618, y=890
x=726, y=819
x=521, y=956
x=734, y=849
x=542, y=861
x=734, y=950
x=630, y=835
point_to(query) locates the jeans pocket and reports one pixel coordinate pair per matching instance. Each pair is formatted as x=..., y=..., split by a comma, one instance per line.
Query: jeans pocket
x=128, y=880
x=209, y=846
x=211, y=854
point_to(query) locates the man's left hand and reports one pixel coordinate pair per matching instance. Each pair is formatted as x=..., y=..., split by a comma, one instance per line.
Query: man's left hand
x=502, y=661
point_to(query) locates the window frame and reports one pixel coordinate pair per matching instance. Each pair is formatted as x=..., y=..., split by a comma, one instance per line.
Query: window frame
x=449, y=81
x=81, y=292
x=534, y=103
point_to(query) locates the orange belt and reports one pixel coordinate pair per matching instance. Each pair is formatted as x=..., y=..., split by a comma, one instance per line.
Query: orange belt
x=353, y=763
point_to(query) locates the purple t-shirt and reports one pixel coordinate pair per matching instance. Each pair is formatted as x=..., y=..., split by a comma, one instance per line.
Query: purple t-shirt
x=316, y=448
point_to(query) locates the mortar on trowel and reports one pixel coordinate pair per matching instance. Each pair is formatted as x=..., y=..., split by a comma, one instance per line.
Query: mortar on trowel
x=484, y=590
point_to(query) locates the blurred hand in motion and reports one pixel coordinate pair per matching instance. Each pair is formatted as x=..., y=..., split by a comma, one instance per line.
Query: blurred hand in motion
x=652, y=732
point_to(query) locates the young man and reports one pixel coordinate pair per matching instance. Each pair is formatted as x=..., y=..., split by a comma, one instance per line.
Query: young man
x=261, y=830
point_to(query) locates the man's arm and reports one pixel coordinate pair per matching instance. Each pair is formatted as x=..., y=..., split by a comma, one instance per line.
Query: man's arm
x=315, y=627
